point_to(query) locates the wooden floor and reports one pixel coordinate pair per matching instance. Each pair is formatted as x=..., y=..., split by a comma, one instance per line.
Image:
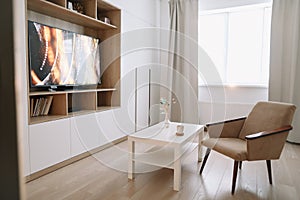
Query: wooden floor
x=90, y=179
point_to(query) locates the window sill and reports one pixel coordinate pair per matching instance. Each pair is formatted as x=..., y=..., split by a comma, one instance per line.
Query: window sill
x=235, y=85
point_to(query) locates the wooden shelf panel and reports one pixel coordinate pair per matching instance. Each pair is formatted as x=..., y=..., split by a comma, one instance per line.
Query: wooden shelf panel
x=103, y=108
x=59, y=2
x=81, y=112
x=39, y=93
x=106, y=89
x=57, y=11
x=40, y=119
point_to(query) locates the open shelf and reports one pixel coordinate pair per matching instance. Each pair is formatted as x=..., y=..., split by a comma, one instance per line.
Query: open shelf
x=57, y=108
x=163, y=156
x=72, y=102
x=104, y=6
x=80, y=100
x=57, y=11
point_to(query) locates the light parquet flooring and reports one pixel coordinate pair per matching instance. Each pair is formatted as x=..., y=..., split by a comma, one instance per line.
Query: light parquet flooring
x=91, y=180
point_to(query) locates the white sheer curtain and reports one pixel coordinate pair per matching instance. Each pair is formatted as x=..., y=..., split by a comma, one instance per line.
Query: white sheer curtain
x=183, y=60
x=284, y=80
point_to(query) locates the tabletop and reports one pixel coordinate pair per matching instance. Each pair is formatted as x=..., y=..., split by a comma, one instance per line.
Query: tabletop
x=161, y=133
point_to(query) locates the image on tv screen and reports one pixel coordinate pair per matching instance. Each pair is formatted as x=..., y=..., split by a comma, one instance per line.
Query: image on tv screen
x=60, y=57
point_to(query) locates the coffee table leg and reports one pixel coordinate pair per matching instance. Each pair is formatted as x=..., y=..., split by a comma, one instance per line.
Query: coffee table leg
x=131, y=149
x=177, y=169
x=201, y=133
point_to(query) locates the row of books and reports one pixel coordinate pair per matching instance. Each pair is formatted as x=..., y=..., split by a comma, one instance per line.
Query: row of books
x=40, y=106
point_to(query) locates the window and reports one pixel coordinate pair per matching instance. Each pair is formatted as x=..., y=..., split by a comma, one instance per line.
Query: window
x=238, y=43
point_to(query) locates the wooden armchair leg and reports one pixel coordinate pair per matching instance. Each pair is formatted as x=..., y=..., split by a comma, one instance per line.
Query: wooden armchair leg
x=204, y=160
x=269, y=171
x=235, y=170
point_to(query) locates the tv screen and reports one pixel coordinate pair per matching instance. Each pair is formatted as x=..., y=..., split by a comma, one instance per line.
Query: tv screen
x=60, y=57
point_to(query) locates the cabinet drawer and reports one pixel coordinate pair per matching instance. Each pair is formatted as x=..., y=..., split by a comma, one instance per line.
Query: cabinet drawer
x=49, y=144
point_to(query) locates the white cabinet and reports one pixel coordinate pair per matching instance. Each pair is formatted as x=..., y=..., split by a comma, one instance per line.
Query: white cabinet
x=49, y=144
x=112, y=126
x=56, y=141
x=85, y=134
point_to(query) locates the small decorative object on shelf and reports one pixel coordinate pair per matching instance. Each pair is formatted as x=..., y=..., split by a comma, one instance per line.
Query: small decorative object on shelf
x=180, y=130
x=165, y=107
x=78, y=6
x=105, y=20
x=70, y=5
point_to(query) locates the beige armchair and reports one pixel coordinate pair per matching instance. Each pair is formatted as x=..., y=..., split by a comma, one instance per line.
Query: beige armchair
x=260, y=136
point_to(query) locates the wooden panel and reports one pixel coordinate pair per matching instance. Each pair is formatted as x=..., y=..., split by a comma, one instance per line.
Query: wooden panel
x=115, y=19
x=110, y=57
x=81, y=101
x=45, y=93
x=91, y=8
x=105, y=108
x=108, y=99
x=62, y=3
x=53, y=10
x=105, y=6
x=104, y=99
x=59, y=105
x=110, y=73
x=41, y=119
x=69, y=91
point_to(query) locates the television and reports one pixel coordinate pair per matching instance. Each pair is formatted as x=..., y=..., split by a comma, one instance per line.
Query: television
x=62, y=58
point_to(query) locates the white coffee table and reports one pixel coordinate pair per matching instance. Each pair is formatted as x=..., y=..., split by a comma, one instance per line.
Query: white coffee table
x=171, y=147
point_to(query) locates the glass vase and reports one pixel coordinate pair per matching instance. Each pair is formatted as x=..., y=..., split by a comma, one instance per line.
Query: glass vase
x=167, y=121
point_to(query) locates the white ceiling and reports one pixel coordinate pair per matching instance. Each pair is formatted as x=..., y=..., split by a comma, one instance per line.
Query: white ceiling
x=219, y=4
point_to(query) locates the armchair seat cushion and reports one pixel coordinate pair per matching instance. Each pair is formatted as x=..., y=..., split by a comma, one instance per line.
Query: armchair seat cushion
x=234, y=148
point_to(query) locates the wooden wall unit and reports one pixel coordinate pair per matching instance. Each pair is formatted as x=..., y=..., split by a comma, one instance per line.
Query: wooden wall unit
x=82, y=101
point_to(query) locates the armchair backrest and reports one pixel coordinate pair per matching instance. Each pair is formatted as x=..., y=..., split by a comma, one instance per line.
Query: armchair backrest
x=266, y=116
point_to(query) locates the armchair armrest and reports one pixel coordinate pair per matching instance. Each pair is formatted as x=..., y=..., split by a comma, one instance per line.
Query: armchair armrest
x=267, y=133
x=226, y=129
x=267, y=145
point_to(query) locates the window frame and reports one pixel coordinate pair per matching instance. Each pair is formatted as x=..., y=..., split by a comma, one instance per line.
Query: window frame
x=227, y=12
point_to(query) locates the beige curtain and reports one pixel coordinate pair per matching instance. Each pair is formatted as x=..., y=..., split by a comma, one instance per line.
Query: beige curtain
x=183, y=60
x=285, y=58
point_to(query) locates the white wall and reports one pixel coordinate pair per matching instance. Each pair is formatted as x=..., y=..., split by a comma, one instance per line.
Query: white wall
x=138, y=17
x=217, y=103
